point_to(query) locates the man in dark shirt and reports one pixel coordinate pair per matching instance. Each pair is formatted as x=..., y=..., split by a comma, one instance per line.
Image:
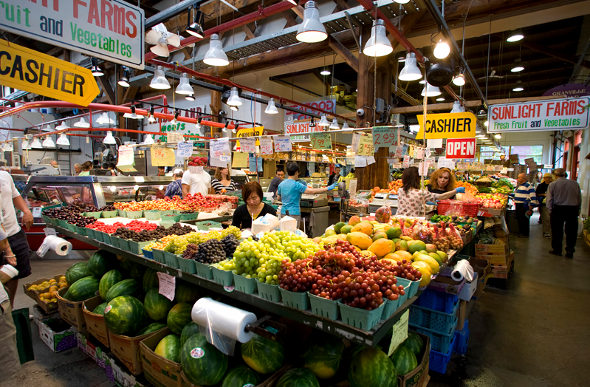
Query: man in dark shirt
x=564, y=201
x=541, y=193
x=334, y=176
x=274, y=183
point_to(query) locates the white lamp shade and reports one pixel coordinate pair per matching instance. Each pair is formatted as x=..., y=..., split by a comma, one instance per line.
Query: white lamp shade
x=36, y=143
x=63, y=140
x=442, y=49
x=25, y=145
x=457, y=108
x=82, y=123
x=109, y=139
x=459, y=80
x=184, y=86
x=159, y=80
x=151, y=119
x=402, y=1
x=104, y=119
x=324, y=121
x=410, y=72
x=334, y=124
x=345, y=125
x=271, y=108
x=430, y=91
x=311, y=30
x=234, y=98
x=63, y=126
x=215, y=55
x=148, y=139
x=48, y=142
x=378, y=44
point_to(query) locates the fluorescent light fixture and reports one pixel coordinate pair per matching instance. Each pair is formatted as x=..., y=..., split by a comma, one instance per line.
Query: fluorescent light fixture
x=430, y=91
x=378, y=44
x=36, y=143
x=82, y=123
x=215, y=55
x=159, y=80
x=334, y=124
x=459, y=80
x=148, y=139
x=410, y=72
x=234, y=98
x=184, y=86
x=515, y=37
x=441, y=49
x=324, y=121
x=311, y=30
x=325, y=72
x=271, y=108
x=48, y=142
x=63, y=140
x=109, y=139
x=517, y=69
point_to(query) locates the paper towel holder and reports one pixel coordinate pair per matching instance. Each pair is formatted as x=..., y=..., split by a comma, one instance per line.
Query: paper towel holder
x=266, y=327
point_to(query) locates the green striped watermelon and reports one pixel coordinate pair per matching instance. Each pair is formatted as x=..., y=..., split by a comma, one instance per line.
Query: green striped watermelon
x=178, y=317
x=132, y=269
x=298, y=377
x=241, y=376
x=323, y=356
x=202, y=363
x=77, y=271
x=371, y=367
x=150, y=280
x=189, y=330
x=109, y=278
x=414, y=343
x=82, y=289
x=156, y=305
x=100, y=262
x=263, y=355
x=100, y=308
x=125, y=315
x=127, y=287
x=155, y=326
x=169, y=348
x=404, y=360
x=185, y=293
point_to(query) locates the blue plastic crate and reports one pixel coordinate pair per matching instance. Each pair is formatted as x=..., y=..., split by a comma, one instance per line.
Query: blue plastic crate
x=439, y=341
x=433, y=319
x=440, y=301
x=440, y=360
x=462, y=339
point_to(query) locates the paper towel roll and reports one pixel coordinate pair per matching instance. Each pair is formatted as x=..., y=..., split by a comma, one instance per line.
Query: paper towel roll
x=55, y=243
x=462, y=270
x=222, y=318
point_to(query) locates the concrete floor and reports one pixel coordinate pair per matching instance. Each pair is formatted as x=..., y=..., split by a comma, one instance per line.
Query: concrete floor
x=534, y=332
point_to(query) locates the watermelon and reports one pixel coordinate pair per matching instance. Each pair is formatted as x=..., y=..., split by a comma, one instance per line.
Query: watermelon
x=263, y=355
x=169, y=348
x=189, y=330
x=77, y=271
x=185, y=293
x=414, y=343
x=178, y=317
x=100, y=262
x=202, y=363
x=323, y=356
x=100, y=308
x=127, y=287
x=241, y=376
x=82, y=289
x=132, y=269
x=371, y=367
x=155, y=326
x=404, y=360
x=298, y=377
x=109, y=278
x=125, y=315
x=156, y=305
x=150, y=280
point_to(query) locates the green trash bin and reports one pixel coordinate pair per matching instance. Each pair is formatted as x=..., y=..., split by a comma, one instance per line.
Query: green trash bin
x=24, y=339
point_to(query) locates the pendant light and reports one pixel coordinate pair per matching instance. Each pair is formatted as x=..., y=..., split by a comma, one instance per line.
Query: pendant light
x=410, y=72
x=324, y=121
x=440, y=99
x=109, y=139
x=159, y=80
x=430, y=91
x=402, y=1
x=215, y=55
x=63, y=140
x=25, y=145
x=148, y=139
x=190, y=98
x=82, y=123
x=234, y=98
x=184, y=86
x=378, y=44
x=325, y=72
x=62, y=125
x=498, y=136
x=95, y=69
x=518, y=66
x=132, y=115
x=459, y=79
x=441, y=49
x=271, y=108
x=334, y=124
x=48, y=142
x=457, y=107
x=311, y=30
x=515, y=37
x=124, y=80
x=36, y=143
x=345, y=125
x=104, y=119
x=518, y=86
x=195, y=28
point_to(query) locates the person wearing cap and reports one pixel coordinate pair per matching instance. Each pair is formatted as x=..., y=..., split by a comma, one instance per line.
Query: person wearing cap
x=564, y=202
x=541, y=193
x=335, y=175
x=175, y=188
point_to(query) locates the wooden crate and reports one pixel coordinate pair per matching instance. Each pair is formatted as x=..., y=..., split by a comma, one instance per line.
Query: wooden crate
x=496, y=254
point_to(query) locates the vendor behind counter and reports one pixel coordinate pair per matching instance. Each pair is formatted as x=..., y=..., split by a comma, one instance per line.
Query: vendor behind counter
x=253, y=208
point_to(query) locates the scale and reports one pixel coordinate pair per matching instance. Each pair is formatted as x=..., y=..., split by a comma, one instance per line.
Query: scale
x=314, y=200
x=384, y=199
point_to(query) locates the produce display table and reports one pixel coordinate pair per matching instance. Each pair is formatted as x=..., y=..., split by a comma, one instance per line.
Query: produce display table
x=248, y=301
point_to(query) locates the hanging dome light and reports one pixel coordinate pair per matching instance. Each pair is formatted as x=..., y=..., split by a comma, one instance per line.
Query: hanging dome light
x=515, y=37
x=109, y=139
x=190, y=98
x=271, y=108
x=440, y=99
x=378, y=44
x=48, y=142
x=215, y=55
x=311, y=30
x=402, y=1
x=62, y=125
x=410, y=72
x=457, y=107
x=234, y=98
x=334, y=124
x=36, y=143
x=325, y=72
x=441, y=49
x=63, y=140
x=459, y=80
x=104, y=119
x=159, y=80
x=82, y=123
x=345, y=125
x=25, y=145
x=498, y=136
x=184, y=86
x=148, y=139
x=430, y=91
x=324, y=121
x=486, y=123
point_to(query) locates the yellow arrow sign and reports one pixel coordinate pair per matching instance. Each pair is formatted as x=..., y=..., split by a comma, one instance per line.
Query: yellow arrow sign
x=29, y=70
x=447, y=125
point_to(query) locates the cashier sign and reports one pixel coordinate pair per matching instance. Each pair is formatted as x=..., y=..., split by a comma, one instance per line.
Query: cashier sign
x=449, y=125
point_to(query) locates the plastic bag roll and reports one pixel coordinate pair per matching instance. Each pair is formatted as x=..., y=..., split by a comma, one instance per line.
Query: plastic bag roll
x=59, y=245
x=222, y=318
x=462, y=270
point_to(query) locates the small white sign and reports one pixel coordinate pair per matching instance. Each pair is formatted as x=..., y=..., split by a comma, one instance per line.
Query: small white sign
x=185, y=149
x=360, y=161
x=406, y=161
x=248, y=145
x=283, y=144
x=167, y=285
x=266, y=146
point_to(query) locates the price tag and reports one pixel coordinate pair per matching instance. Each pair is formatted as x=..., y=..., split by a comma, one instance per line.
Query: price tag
x=321, y=141
x=126, y=155
x=370, y=160
x=406, y=161
x=184, y=149
x=443, y=162
x=162, y=156
x=423, y=167
x=356, y=137
x=434, y=143
x=220, y=152
x=384, y=136
x=248, y=145
x=174, y=137
x=366, y=145
x=419, y=153
x=283, y=144
x=266, y=146
x=167, y=285
x=240, y=160
x=360, y=161
x=399, y=333
x=37, y=212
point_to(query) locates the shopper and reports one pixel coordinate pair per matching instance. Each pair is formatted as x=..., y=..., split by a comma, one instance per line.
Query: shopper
x=525, y=200
x=175, y=188
x=16, y=236
x=9, y=353
x=274, y=183
x=564, y=201
x=254, y=207
x=195, y=181
x=442, y=180
x=411, y=198
x=334, y=177
x=222, y=181
x=541, y=193
x=77, y=169
x=290, y=191
x=86, y=168
x=161, y=171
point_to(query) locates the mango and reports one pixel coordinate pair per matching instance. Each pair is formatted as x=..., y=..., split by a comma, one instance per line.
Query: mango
x=382, y=247
x=359, y=239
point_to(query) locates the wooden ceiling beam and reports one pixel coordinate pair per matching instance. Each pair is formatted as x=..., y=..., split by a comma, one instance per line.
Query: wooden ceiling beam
x=344, y=52
x=248, y=31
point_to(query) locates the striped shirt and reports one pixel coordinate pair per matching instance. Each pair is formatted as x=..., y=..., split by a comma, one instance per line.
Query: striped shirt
x=525, y=194
x=217, y=186
x=174, y=189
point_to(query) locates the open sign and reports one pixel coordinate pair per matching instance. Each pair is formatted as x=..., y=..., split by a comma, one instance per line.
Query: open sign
x=461, y=148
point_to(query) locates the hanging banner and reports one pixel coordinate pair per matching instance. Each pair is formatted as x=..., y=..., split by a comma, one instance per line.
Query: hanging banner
x=384, y=136
x=547, y=115
x=110, y=29
x=248, y=145
x=304, y=127
x=321, y=140
x=283, y=144
x=162, y=156
x=266, y=146
x=25, y=69
x=250, y=132
x=460, y=148
x=448, y=125
x=365, y=147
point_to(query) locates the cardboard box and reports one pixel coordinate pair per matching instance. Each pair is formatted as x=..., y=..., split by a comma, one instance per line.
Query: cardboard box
x=126, y=349
x=158, y=371
x=95, y=323
x=123, y=378
x=39, y=314
x=71, y=311
x=496, y=254
x=418, y=376
x=469, y=289
x=57, y=334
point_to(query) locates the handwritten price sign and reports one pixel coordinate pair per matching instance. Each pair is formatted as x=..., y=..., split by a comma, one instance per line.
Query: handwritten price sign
x=248, y=145
x=384, y=136
x=266, y=146
x=321, y=141
x=283, y=144
x=162, y=156
x=366, y=147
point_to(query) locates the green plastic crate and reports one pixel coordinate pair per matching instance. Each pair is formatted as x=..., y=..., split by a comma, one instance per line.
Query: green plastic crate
x=134, y=214
x=94, y=214
x=159, y=255
x=187, y=265
x=245, y=285
x=222, y=277
x=109, y=214
x=106, y=238
x=152, y=215
x=361, y=318
x=171, y=217
x=188, y=216
x=269, y=292
x=390, y=308
x=137, y=247
x=207, y=224
x=297, y=300
x=204, y=270
x=171, y=259
x=323, y=307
